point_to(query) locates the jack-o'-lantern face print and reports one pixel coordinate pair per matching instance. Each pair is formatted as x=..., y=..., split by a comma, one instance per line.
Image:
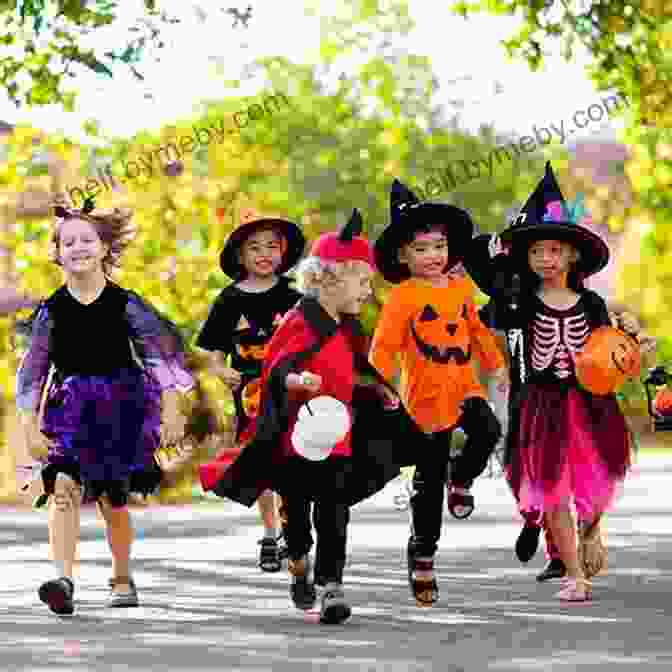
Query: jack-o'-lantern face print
x=251, y=342
x=440, y=340
x=625, y=354
x=607, y=359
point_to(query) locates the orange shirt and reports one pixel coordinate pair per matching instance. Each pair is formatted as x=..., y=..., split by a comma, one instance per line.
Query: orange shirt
x=431, y=334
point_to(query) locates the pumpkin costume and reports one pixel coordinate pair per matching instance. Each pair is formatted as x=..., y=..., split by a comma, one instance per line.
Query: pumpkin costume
x=431, y=333
x=565, y=444
x=434, y=332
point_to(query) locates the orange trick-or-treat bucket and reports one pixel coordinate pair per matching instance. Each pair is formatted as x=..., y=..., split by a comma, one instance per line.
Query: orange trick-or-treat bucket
x=608, y=358
x=663, y=402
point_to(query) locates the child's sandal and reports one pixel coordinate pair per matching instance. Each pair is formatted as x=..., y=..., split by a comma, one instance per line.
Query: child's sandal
x=269, y=556
x=575, y=590
x=425, y=588
x=460, y=503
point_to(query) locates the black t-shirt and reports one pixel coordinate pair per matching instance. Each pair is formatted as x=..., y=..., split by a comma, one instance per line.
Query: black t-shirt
x=240, y=323
x=240, y=319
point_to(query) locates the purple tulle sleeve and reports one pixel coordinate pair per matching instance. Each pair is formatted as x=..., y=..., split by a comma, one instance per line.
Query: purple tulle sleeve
x=158, y=344
x=34, y=368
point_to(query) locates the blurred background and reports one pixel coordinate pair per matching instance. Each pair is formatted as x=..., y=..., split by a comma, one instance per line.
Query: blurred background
x=328, y=102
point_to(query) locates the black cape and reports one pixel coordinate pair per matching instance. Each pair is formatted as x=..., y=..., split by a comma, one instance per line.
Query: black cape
x=383, y=441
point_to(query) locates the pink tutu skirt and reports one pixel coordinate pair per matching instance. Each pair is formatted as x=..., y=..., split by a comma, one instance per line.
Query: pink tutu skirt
x=571, y=450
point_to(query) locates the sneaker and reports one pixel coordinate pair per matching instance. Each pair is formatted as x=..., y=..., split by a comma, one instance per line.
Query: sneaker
x=302, y=588
x=57, y=594
x=527, y=542
x=127, y=598
x=269, y=555
x=555, y=569
x=334, y=607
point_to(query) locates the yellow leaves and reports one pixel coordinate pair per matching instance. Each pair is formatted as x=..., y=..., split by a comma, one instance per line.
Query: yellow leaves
x=616, y=24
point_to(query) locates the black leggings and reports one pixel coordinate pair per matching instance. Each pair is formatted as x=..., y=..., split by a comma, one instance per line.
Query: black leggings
x=483, y=431
x=319, y=483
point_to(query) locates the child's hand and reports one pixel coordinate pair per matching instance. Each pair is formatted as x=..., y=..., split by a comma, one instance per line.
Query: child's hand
x=501, y=379
x=304, y=382
x=495, y=246
x=230, y=376
x=626, y=322
x=647, y=344
x=37, y=443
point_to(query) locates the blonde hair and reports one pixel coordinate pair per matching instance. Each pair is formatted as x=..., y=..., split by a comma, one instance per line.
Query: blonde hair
x=314, y=274
x=113, y=227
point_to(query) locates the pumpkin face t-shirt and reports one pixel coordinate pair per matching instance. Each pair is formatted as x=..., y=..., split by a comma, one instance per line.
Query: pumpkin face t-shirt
x=432, y=334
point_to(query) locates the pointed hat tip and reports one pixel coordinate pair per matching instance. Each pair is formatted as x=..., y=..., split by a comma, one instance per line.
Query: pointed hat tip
x=353, y=227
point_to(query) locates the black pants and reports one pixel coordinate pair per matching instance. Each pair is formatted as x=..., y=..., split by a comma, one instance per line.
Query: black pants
x=319, y=484
x=483, y=431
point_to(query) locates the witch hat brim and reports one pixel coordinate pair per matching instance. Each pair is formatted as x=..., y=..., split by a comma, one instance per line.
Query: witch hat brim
x=296, y=243
x=459, y=230
x=593, y=251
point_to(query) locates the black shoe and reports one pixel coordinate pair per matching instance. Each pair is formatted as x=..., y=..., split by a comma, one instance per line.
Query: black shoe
x=555, y=569
x=527, y=543
x=128, y=598
x=58, y=595
x=269, y=555
x=335, y=608
x=302, y=589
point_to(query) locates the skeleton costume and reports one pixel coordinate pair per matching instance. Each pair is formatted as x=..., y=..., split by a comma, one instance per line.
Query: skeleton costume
x=565, y=444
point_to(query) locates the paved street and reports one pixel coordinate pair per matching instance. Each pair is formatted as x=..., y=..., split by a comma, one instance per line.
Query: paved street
x=207, y=607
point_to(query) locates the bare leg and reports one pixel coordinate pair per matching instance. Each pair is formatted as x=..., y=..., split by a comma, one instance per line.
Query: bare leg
x=563, y=531
x=64, y=512
x=119, y=533
x=268, y=509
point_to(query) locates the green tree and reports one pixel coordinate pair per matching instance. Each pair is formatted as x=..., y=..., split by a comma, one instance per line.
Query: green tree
x=629, y=43
x=41, y=46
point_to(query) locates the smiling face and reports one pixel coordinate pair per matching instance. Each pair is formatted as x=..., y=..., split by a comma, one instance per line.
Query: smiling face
x=354, y=287
x=426, y=255
x=80, y=249
x=551, y=259
x=261, y=253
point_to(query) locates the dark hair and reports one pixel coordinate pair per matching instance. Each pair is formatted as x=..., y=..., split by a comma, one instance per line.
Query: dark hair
x=530, y=281
x=409, y=234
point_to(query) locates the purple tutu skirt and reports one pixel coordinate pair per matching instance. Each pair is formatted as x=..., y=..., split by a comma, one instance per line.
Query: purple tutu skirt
x=570, y=450
x=106, y=427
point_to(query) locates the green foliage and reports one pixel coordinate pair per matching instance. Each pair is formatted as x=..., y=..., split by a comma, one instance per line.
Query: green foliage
x=45, y=45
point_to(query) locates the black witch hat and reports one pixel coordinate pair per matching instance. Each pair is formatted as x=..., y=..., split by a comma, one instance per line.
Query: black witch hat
x=546, y=215
x=408, y=215
x=229, y=260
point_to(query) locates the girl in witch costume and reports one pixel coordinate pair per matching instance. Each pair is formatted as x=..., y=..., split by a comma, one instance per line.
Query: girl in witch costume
x=430, y=323
x=240, y=325
x=319, y=348
x=566, y=447
x=103, y=416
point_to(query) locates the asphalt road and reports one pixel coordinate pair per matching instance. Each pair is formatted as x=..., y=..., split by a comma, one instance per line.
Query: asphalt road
x=205, y=605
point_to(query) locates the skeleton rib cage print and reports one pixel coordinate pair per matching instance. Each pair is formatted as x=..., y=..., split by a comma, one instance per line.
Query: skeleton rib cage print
x=556, y=341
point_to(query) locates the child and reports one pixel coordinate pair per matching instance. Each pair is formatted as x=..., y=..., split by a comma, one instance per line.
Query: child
x=319, y=349
x=430, y=323
x=566, y=446
x=242, y=322
x=103, y=412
